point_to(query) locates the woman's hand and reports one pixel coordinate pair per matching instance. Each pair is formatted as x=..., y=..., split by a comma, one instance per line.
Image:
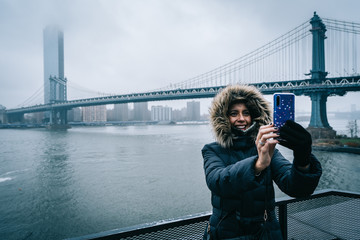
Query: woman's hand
x=265, y=143
x=295, y=137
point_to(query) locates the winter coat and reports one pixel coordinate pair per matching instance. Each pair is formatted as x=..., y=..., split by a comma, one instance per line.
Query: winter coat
x=238, y=196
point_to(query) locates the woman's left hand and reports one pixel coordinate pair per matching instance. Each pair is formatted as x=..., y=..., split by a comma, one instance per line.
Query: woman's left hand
x=265, y=144
x=298, y=139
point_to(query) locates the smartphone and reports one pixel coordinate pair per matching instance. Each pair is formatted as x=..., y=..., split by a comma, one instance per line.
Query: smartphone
x=284, y=108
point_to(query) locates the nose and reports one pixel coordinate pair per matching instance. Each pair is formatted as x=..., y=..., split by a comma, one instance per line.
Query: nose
x=240, y=117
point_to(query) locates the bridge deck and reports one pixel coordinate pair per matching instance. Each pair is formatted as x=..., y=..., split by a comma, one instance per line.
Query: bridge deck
x=333, y=86
x=327, y=214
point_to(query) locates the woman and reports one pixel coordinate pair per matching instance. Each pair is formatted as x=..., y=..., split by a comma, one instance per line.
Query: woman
x=243, y=162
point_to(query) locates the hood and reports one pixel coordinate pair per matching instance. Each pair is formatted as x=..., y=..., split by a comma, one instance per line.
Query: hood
x=259, y=107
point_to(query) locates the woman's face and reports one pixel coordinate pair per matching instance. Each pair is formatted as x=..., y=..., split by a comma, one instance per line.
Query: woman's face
x=239, y=116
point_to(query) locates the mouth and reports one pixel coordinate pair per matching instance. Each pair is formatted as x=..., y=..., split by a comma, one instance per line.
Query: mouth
x=240, y=127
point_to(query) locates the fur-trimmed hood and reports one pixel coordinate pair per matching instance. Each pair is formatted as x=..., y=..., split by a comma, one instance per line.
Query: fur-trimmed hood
x=259, y=107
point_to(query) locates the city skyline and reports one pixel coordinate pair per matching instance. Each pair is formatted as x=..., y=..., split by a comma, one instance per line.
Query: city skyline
x=140, y=112
x=162, y=113
x=130, y=53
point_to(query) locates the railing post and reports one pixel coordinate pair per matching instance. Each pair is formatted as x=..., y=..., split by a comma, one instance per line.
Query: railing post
x=283, y=220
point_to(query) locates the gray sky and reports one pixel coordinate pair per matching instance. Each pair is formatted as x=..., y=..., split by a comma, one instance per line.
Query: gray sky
x=115, y=46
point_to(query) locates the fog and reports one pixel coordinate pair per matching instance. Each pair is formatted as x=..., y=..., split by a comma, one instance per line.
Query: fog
x=137, y=45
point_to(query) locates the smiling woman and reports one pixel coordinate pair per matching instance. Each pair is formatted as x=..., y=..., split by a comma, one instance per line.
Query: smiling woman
x=239, y=116
x=242, y=164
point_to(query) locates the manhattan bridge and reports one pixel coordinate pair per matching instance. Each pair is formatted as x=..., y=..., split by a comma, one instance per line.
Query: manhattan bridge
x=293, y=62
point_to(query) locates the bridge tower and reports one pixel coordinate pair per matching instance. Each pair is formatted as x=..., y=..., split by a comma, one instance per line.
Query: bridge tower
x=319, y=126
x=54, y=80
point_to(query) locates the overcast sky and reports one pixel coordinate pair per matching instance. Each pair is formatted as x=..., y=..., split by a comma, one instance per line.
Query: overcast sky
x=123, y=46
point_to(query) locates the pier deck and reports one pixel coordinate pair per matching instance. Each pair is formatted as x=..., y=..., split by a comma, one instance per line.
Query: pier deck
x=327, y=214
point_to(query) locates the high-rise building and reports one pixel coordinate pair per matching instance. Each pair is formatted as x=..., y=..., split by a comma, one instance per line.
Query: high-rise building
x=109, y=115
x=2, y=114
x=193, y=111
x=94, y=113
x=141, y=112
x=161, y=113
x=121, y=112
x=179, y=115
x=74, y=115
x=54, y=79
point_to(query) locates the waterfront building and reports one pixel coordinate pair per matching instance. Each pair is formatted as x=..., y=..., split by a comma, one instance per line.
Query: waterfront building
x=161, y=113
x=110, y=114
x=179, y=115
x=120, y=112
x=193, y=111
x=94, y=113
x=2, y=114
x=36, y=117
x=74, y=115
x=141, y=112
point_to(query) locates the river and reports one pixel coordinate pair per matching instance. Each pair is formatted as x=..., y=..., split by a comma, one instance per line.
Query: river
x=84, y=180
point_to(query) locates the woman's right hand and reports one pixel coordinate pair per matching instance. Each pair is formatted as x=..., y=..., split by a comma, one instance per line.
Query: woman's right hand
x=265, y=144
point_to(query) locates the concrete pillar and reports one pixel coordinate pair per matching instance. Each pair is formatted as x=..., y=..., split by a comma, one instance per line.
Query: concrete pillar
x=58, y=120
x=51, y=117
x=319, y=126
x=63, y=116
x=318, y=110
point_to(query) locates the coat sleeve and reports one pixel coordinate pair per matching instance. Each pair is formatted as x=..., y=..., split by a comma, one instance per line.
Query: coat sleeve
x=291, y=180
x=228, y=180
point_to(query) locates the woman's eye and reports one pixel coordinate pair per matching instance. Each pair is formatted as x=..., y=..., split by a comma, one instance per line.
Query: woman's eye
x=233, y=114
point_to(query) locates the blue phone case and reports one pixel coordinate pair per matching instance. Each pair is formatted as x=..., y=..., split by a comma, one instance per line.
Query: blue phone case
x=284, y=108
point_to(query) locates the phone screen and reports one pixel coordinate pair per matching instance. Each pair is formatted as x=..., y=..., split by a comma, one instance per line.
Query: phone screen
x=284, y=108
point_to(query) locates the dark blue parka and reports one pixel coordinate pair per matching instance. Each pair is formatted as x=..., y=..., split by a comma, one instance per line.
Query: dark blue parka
x=238, y=196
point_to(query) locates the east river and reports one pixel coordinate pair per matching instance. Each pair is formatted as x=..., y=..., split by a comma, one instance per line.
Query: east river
x=84, y=180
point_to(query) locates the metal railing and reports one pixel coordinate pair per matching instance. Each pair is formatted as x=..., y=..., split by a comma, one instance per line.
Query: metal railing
x=327, y=214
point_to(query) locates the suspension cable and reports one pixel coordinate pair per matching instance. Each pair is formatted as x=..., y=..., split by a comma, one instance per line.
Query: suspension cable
x=33, y=98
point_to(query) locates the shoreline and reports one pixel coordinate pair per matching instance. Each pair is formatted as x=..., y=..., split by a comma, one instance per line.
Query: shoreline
x=317, y=146
x=100, y=124
x=353, y=150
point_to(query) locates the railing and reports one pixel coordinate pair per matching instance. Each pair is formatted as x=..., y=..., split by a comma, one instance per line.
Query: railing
x=327, y=214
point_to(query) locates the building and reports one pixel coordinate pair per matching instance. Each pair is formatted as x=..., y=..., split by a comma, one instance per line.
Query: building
x=94, y=113
x=54, y=79
x=193, y=111
x=109, y=115
x=2, y=114
x=121, y=112
x=161, y=113
x=141, y=112
x=179, y=115
x=74, y=115
x=36, y=117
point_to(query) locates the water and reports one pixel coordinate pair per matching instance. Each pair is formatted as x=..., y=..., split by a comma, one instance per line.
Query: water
x=61, y=184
